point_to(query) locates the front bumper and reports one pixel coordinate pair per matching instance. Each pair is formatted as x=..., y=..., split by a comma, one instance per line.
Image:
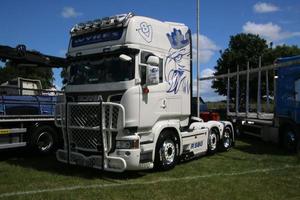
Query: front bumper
x=114, y=164
x=119, y=161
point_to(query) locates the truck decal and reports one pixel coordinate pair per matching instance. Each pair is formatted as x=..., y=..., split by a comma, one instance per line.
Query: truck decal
x=145, y=31
x=176, y=77
x=196, y=145
x=92, y=38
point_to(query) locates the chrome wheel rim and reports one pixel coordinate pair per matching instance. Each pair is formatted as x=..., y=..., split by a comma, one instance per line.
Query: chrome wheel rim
x=226, y=139
x=213, y=141
x=291, y=139
x=167, y=152
x=44, y=141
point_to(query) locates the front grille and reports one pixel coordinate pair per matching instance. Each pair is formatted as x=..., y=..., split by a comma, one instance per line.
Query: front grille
x=106, y=117
x=84, y=130
x=111, y=116
x=85, y=139
x=115, y=112
x=85, y=115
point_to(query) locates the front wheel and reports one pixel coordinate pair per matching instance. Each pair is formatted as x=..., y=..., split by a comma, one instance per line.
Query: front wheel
x=166, y=153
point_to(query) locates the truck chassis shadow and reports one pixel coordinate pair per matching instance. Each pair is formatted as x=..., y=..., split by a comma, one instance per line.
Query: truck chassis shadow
x=26, y=159
x=253, y=145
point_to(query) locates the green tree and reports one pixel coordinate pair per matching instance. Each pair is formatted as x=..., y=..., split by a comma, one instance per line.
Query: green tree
x=241, y=49
x=245, y=48
x=281, y=51
x=11, y=71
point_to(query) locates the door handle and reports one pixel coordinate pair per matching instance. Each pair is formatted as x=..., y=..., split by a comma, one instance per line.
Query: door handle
x=164, y=104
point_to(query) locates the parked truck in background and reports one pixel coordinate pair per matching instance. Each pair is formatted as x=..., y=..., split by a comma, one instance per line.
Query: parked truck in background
x=282, y=123
x=27, y=110
x=27, y=116
x=127, y=103
x=287, y=103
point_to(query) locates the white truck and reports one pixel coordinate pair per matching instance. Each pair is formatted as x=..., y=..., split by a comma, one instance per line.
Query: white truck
x=127, y=103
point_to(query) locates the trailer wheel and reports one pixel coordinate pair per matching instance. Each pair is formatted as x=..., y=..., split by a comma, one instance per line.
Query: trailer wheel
x=166, y=152
x=238, y=129
x=226, y=141
x=44, y=139
x=290, y=139
x=298, y=149
x=213, y=141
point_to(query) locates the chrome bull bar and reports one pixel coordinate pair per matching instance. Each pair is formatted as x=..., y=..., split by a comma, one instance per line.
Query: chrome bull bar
x=89, y=127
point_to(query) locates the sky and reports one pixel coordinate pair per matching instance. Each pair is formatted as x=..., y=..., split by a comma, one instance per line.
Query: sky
x=44, y=25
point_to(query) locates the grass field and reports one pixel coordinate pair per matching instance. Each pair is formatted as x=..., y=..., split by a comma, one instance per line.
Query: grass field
x=252, y=170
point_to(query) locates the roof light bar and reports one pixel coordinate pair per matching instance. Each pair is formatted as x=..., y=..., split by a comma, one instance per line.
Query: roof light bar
x=117, y=20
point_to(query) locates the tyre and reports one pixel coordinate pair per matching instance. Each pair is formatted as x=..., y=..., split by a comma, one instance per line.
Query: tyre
x=44, y=139
x=290, y=139
x=298, y=149
x=238, y=129
x=213, y=141
x=227, y=140
x=166, y=151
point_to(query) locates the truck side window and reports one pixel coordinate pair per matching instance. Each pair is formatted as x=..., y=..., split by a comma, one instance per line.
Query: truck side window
x=144, y=57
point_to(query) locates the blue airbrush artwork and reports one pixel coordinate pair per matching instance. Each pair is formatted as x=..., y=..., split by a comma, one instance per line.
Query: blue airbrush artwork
x=177, y=39
x=176, y=76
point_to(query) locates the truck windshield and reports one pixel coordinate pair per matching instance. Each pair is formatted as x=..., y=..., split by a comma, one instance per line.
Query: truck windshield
x=104, y=69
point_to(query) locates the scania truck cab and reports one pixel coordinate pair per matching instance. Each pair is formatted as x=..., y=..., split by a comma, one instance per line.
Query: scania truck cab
x=127, y=103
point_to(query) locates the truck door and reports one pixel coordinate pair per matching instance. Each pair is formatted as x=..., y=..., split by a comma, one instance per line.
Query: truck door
x=152, y=105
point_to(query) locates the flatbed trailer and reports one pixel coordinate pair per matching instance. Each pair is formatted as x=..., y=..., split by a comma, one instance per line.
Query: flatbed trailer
x=28, y=120
x=282, y=125
x=27, y=114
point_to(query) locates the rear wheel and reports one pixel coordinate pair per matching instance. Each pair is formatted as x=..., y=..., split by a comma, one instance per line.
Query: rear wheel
x=166, y=153
x=44, y=139
x=227, y=139
x=213, y=141
x=290, y=139
x=298, y=149
x=238, y=129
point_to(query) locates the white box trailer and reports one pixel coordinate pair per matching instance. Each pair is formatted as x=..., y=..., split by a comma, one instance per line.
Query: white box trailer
x=127, y=102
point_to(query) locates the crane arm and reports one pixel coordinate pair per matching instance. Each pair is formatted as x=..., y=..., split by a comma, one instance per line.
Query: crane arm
x=21, y=56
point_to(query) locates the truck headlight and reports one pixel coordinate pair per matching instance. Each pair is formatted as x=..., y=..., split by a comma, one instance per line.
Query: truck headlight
x=127, y=144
